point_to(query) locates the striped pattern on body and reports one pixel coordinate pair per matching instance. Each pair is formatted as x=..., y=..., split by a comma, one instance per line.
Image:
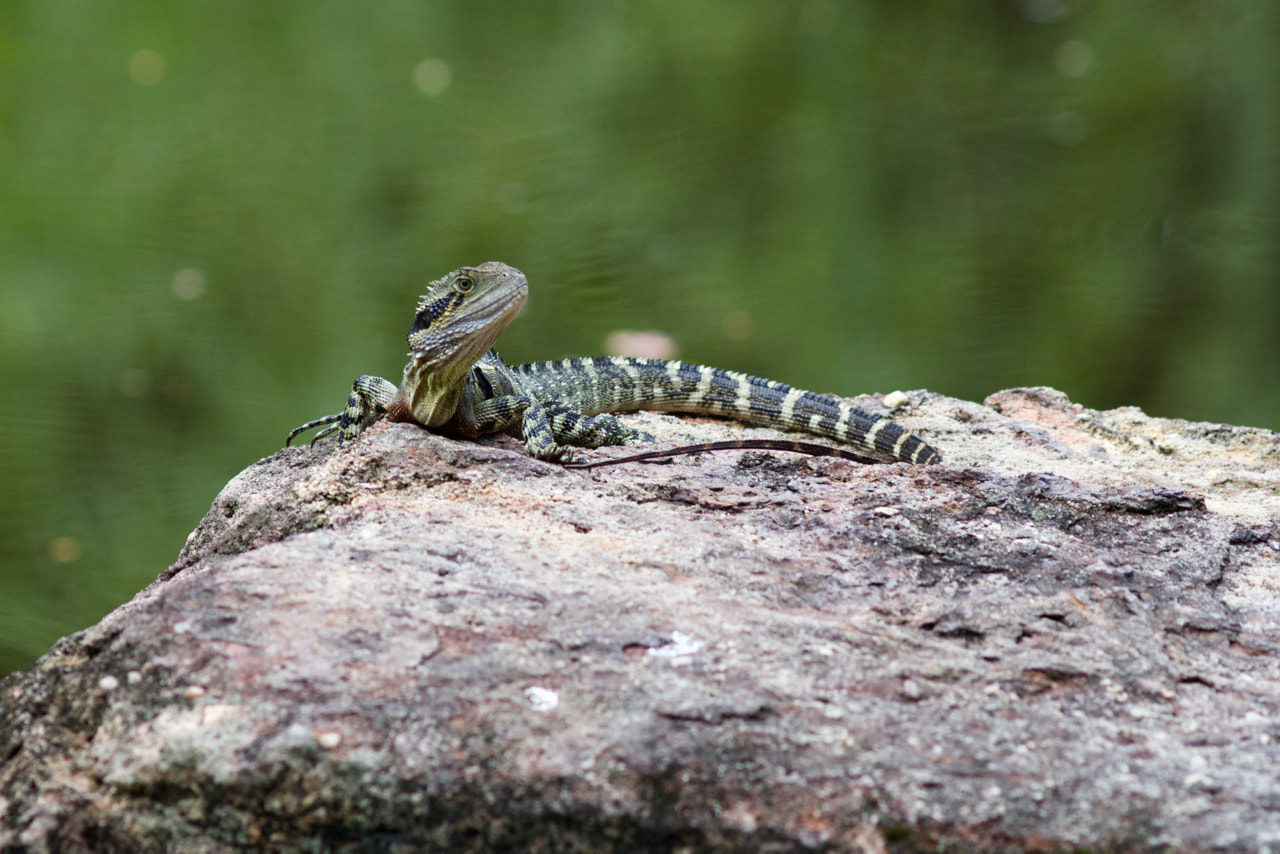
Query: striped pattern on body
x=599, y=385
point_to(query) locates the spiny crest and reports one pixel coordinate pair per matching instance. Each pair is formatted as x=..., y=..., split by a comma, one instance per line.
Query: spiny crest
x=441, y=290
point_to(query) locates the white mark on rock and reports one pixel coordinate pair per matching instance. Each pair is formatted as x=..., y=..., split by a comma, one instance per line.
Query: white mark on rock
x=681, y=644
x=894, y=399
x=541, y=699
x=328, y=739
x=217, y=713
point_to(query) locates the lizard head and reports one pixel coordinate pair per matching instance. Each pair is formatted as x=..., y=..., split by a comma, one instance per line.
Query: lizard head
x=458, y=319
x=462, y=314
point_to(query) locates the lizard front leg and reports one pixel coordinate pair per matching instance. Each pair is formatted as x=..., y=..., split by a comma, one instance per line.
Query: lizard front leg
x=519, y=415
x=547, y=428
x=571, y=427
x=370, y=396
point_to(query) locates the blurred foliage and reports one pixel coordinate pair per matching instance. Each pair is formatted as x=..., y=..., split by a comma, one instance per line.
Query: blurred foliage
x=216, y=215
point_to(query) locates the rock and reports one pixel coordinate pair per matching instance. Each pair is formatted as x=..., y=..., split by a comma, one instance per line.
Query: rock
x=1065, y=637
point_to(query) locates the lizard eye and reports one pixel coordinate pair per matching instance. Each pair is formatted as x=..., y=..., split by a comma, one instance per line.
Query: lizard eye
x=463, y=284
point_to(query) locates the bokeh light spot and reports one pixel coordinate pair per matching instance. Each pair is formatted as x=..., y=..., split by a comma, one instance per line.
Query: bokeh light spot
x=648, y=344
x=432, y=76
x=1073, y=59
x=65, y=549
x=187, y=284
x=135, y=382
x=146, y=67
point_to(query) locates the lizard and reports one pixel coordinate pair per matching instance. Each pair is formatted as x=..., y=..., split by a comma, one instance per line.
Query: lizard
x=456, y=384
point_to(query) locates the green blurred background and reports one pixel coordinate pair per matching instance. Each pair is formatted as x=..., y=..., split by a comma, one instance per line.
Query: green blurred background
x=215, y=215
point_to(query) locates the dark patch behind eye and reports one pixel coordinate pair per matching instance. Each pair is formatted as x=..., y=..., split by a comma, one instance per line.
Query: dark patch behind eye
x=432, y=312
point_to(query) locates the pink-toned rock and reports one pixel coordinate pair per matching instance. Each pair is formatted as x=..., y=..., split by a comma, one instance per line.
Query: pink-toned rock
x=1063, y=637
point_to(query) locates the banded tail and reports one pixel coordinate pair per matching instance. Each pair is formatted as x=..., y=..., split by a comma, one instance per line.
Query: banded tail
x=599, y=385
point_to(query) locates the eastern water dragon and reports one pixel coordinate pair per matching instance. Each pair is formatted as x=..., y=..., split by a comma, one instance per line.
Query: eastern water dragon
x=455, y=384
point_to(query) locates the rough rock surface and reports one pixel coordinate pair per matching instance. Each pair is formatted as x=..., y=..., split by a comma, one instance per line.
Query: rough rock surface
x=1064, y=637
